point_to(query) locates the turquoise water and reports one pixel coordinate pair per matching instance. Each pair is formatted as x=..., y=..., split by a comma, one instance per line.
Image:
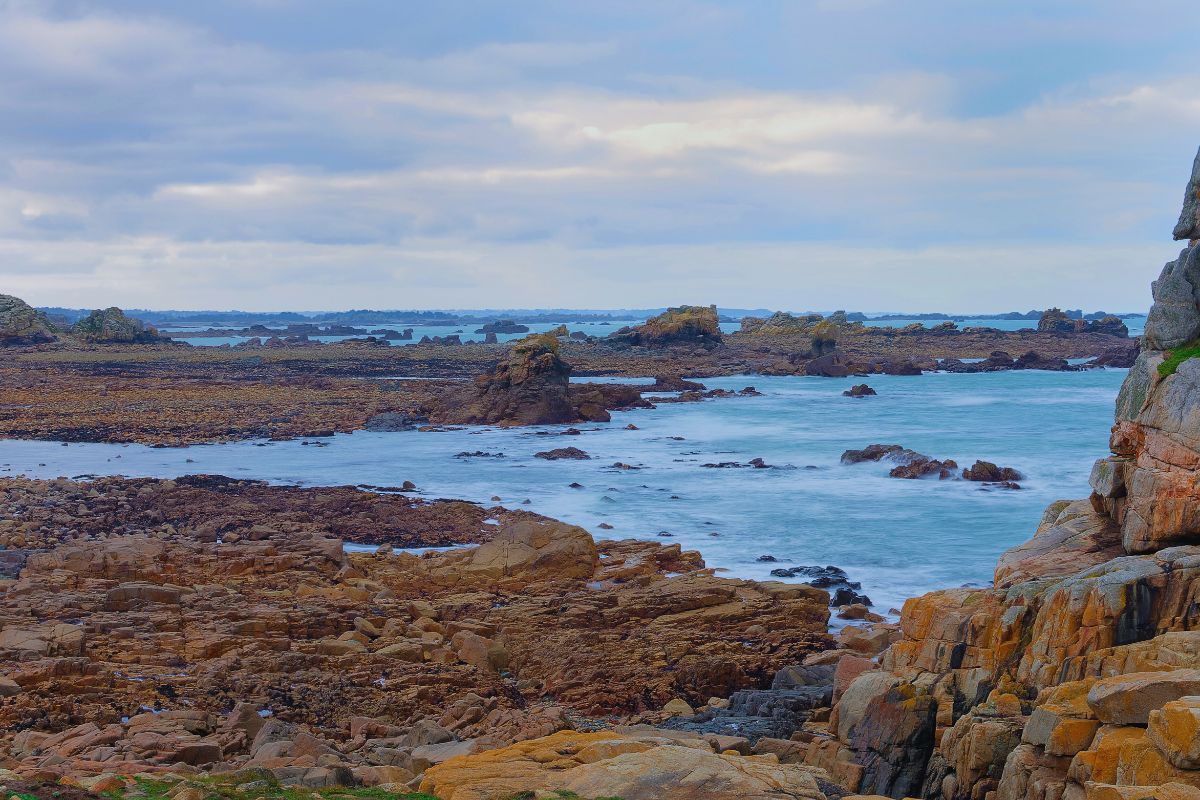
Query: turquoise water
x=898, y=537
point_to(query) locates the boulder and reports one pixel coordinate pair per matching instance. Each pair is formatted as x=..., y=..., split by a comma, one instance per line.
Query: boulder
x=1175, y=730
x=521, y=553
x=1129, y=699
x=605, y=764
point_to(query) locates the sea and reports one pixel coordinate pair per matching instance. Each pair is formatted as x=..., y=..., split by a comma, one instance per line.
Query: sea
x=898, y=538
x=1136, y=325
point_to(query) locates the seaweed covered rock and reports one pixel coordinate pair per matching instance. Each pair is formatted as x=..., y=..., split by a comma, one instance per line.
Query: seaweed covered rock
x=694, y=325
x=22, y=324
x=113, y=326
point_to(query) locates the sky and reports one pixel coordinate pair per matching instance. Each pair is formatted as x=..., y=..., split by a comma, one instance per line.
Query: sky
x=872, y=155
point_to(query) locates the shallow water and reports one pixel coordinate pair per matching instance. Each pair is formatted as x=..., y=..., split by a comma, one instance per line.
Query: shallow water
x=899, y=538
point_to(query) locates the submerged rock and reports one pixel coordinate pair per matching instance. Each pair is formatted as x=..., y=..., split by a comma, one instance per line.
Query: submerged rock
x=559, y=453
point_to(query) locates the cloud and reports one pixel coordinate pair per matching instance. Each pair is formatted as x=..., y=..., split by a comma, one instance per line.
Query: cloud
x=163, y=159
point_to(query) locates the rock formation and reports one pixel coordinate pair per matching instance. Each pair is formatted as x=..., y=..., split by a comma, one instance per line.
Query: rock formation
x=687, y=325
x=1076, y=676
x=780, y=323
x=1054, y=320
x=21, y=324
x=530, y=387
x=112, y=326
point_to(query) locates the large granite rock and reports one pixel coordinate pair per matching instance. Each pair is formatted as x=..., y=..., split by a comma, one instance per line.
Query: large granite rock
x=21, y=324
x=611, y=765
x=1188, y=226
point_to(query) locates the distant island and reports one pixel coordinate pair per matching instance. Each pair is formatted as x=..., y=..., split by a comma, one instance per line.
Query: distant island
x=524, y=316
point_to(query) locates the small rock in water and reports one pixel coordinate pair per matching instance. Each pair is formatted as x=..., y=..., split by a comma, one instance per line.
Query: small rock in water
x=860, y=390
x=988, y=472
x=569, y=453
x=767, y=558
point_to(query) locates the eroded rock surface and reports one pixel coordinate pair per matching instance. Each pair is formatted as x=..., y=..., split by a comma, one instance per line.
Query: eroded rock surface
x=210, y=624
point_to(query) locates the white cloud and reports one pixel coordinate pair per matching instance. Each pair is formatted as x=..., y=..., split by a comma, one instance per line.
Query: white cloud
x=153, y=161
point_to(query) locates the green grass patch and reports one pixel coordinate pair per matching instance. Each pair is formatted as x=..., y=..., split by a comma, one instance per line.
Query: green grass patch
x=160, y=790
x=1178, y=356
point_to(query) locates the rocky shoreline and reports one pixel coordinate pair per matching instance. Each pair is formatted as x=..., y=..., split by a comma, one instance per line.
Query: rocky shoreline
x=211, y=637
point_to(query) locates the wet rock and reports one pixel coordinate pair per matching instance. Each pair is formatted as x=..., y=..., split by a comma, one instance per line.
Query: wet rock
x=988, y=472
x=391, y=422
x=860, y=390
x=829, y=365
x=563, y=453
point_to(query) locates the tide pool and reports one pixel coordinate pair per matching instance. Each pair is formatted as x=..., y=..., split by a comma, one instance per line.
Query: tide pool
x=898, y=537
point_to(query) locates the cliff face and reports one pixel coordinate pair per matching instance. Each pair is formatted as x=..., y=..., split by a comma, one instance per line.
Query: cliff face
x=1078, y=675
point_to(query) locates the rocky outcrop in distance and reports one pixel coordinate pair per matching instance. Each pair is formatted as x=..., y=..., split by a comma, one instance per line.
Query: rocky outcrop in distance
x=21, y=324
x=113, y=326
x=685, y=325
x=1074, y=676
x=1054, y=320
